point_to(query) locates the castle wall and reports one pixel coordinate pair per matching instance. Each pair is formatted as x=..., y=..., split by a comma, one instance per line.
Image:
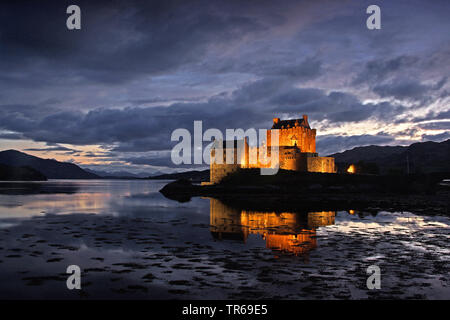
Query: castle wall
x=320, y=164
x=290, y=159
x=220, y=171
x=219, y=168
x=258, y=153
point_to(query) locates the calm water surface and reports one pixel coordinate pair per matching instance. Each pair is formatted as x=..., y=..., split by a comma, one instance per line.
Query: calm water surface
x=131, y=242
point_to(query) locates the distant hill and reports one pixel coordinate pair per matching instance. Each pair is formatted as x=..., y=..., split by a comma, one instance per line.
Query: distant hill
x=422, y=157
x=117, y=174
x=10, y=173
x=123, y=174
x=52, y=169
x=194, y=175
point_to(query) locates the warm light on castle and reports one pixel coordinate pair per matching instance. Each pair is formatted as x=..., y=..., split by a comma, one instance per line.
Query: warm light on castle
x=296, y=149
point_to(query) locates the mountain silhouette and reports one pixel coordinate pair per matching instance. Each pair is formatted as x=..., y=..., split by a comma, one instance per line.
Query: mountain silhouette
x=420, y=157
x=10, y=173
x=52, y=169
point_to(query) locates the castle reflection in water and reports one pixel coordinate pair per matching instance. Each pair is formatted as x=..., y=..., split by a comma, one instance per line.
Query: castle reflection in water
x=292, y=232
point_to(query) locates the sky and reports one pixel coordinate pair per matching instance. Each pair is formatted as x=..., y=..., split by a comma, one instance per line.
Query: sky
x=107, y=97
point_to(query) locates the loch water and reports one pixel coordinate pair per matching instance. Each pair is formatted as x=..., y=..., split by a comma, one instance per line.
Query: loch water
x=131, y=242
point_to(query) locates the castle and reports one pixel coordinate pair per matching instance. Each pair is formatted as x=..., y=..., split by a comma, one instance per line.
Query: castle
x=296, y=148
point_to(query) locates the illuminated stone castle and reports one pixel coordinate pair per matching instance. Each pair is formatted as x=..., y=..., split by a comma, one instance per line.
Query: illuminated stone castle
x=296, y=151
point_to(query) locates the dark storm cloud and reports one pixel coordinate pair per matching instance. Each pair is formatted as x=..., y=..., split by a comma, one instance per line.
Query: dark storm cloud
x=334, y=106
x=231, y=64
x=54, y=147
x=411, y=45
x=297, y=96
x=440, y=125
x=407, y=89
x=139, y=102
x=306, y=69
x=118, y=41
x=11, y=136
x=134, y=128
x=378, y=70
x=400, y=78
x=442, y=115
x=431, y=115
x=142, y=129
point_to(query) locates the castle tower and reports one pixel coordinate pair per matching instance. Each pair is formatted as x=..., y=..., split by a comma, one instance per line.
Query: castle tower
x=294, y=133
